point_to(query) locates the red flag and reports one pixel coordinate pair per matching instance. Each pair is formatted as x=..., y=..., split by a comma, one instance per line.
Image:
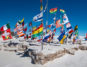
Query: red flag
x=49, y=26
x=30, y=23
x=86, y=35
x=39, y=40
x=23, y=23
x=54, y=30
x=70, y=31
x=58, y=23
x=25, y=29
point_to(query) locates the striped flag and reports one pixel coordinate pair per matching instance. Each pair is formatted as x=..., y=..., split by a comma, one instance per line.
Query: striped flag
x=53, y=10
x=62, y=37
x=38, y=17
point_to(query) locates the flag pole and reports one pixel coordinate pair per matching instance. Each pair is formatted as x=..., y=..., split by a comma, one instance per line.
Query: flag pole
x=41, y=9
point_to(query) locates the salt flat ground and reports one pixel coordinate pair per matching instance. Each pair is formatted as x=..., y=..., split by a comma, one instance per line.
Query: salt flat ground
x=11, y=59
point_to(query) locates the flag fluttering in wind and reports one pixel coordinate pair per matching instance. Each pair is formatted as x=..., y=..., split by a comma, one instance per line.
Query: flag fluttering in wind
x=58, y=24
x=25, y=29
x=75, y=33
x=38, y=17
x=86, y=37
x=19, y=28
x=30, y=24
x=38, y=31
x=21, y=21
x=41, y=7
x=76, y=28
x=5, y=27
x=62, y=11
x=69, y=29
x=62, y=37
x=65, y=19
x=46, y=37
x=53, y=10
x=6, y=33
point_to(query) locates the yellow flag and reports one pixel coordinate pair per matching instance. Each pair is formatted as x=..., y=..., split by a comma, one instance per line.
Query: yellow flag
x=22, y=20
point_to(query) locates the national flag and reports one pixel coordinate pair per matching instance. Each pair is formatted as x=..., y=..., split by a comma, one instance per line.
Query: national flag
x=62, y=29
x=86, y=35
x=53, y=35
x=38, y=31
x=65, y=19
x=20, y=22
x=46, y=37
x=20, y=33
x=38, y=17
x=76, y=28
x=58, y=23
x=49, y=26
x=23, y=23
x=62, y=11
x=53, y=10
x=6, y=35
x=25, y=29
x=69, y=28
x=62, y=37
x=5, y=27
x=30, y=24
x=41, y=7
x=34, y=28
x=54, y=30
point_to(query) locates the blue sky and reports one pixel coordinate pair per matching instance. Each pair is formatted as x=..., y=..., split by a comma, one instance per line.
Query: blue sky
x=13, y=10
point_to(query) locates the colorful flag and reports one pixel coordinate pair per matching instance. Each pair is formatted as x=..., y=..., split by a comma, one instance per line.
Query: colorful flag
x=38, y=31
x=49, y=26
x=47, y=36
x=5, y=27
x=58, y=23
x=20, y=22
x=6, y=33
x=76, y=28
x=54, y=30
x=53, y=10
x=62, y=37
x=86, y=35
x=30, y=24
x=62, y=29
x=23, y=23
x=34, y=28
x=25, y=29
x=20, y=33
x=19, y=29
x=65, y=19
x=69, y=29
x=38, y=17
x=41, y=7
x=62, y=11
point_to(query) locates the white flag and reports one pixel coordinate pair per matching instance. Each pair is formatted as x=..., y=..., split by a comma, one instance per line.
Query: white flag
x=38, y=17
x=65, y=19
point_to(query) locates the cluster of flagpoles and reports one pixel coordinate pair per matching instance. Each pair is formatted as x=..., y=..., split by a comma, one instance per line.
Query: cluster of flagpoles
x=47, y=35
